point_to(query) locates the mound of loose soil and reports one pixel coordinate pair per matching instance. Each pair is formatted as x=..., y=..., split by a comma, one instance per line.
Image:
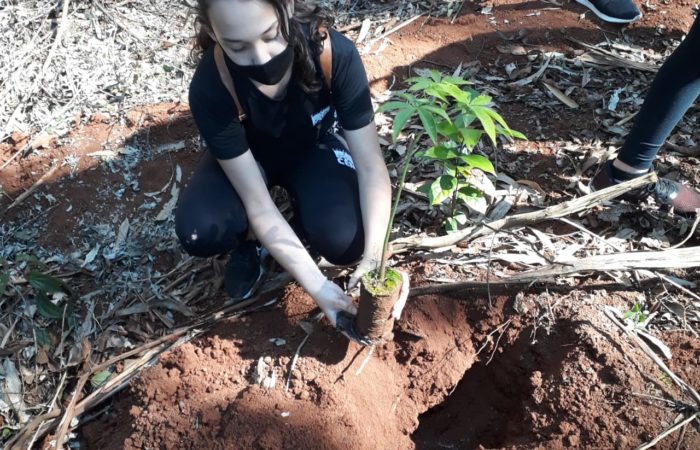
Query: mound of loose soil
x=569, y=383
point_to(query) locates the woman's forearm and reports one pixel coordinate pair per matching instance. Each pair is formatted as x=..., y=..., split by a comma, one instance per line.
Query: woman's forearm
x=279, y=239
x=375, y=201
x=375, y=187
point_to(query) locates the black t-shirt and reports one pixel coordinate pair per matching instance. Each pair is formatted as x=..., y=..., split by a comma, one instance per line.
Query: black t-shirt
x=278, y=131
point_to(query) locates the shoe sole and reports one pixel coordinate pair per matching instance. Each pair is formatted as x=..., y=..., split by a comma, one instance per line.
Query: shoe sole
x=605, y=17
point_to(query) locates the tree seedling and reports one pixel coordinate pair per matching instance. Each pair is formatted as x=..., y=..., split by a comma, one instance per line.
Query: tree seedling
x=448, y=114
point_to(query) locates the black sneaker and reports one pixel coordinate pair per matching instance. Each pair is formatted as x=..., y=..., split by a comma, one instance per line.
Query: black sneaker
x=243, y=271
x=681, y=198
x=613, y=11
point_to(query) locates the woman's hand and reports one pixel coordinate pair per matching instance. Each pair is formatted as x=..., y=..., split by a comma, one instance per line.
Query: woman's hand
x=366, y=265
x=331, y=299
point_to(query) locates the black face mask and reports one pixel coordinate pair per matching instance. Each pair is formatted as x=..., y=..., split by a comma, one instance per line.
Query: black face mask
x=272, y=71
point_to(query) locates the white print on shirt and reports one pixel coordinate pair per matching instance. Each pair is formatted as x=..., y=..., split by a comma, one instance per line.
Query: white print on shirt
x=318, y=117
x=344, y=158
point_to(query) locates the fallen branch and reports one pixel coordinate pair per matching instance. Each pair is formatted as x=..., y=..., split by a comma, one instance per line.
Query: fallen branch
x=371, y=43
x=508, y=285
x=599, y=56
x=553, y=212
x=666, y=259
x=668, y=431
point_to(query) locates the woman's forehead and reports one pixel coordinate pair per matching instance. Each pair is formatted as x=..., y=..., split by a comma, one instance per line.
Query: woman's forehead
x=242, y=20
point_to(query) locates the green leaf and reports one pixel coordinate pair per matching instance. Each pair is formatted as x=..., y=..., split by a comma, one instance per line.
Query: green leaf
x=42, y=337
x=440, y=152
x=412, y=100
x=390, y=106
x=6, y=433
x=428, y=121
x=437, y=92
x=454, y=223
x=437, y=111
x=455, y=80
x=466, y=193
x=486, y=122
x=4, y=279
x=497, y=117
x=442, y=188
x=28, y=258
x=446, y=128
x=435, y=75
x=46, y=308
x=400, y=121
x=464, y=120
x=419, y=83
x=100, y=378
x=479, y=162
x=45, y=283
x=481, y=100
x=470, y=137
x=455, y=92
x=518, y=135
x=425, y=188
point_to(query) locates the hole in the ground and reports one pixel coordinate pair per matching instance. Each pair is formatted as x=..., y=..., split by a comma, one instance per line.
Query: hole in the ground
x=489, y=407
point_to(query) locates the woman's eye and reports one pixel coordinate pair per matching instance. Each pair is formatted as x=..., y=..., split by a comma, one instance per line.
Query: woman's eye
x=270, y=38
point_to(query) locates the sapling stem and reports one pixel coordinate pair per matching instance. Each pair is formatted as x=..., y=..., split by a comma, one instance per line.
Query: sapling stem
x=409, y=155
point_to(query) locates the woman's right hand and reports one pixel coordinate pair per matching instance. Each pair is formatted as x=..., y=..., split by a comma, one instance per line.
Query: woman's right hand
x=331, y=299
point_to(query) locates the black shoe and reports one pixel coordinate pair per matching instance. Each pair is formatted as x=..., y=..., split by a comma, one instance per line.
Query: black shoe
x=613, y=11
x=681, y=198
x=243, y=271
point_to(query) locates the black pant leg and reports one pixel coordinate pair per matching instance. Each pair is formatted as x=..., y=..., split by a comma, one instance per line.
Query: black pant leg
x=210, y=218
x=325, y=195
x=675, y=88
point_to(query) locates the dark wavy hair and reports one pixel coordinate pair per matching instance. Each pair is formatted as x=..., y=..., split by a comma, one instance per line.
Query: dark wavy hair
x=304, y=54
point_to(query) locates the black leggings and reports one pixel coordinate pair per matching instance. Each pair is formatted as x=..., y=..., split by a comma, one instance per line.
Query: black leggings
x=673, y=91
x=211, y=219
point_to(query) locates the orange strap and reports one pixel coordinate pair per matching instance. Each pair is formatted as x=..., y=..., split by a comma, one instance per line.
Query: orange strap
x=228, y=81
x=326, y=60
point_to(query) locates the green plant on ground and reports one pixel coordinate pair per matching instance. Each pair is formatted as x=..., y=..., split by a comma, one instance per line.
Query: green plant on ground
x=44, y=286
x=636, y=314
x=455, y=118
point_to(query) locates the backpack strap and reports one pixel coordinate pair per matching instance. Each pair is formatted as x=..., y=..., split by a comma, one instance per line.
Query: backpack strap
x=326, y=58
x=228, y=81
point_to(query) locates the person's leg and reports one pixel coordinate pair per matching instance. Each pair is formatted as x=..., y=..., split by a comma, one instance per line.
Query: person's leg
x=673, y=91
x=326, y=200
x=211, y=220
x=675, y=88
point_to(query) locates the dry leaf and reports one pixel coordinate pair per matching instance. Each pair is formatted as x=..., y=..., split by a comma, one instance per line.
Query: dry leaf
x=43, y=140
x=364, y=30
x=565, y=99
x=515, y=49
x=13, y=390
